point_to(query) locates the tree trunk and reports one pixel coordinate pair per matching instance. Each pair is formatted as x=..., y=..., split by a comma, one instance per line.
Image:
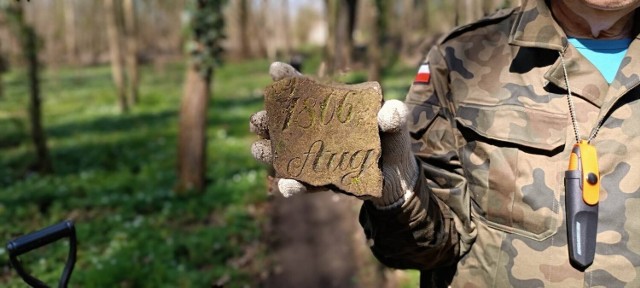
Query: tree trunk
x=352, y=12
x=345, y=24
x=330, y=45
x=266, y=30
x=468, y=11
x=243, y=18
x=3, y=69
x=29, y=46
x=115, y=49
x=35, y=111
x=192, y=140
x=70, y=30
x=408, y=16
x=472, y=10
x=131, y=32
x=374, y=50
x=425, y=16
x=287, y=31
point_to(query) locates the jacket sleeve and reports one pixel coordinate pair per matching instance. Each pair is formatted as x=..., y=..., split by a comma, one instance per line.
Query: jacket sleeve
x=433, y=228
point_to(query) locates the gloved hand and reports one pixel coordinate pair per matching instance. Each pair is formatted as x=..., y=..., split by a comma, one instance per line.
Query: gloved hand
x=399, y=167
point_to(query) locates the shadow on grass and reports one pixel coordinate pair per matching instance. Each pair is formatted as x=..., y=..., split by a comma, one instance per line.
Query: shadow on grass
x=111, y=124
x=236, y=124
x=14, y=130
x=108, y=144
x=129, y=152
x=78, y=79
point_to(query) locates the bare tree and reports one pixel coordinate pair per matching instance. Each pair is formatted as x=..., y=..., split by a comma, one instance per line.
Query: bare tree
x=341, y=16
x=115, y=48
x=69, y=29
x=29, y=45
x=265, y=31
x=131, y=57
x=4, y=67
x=243, y=23
x=71, y=42
x=408, y=11
x=206, y=26
x=376, y=28
x=344, y=32
x=286, y=24
x=331, y=9
x=424, y=13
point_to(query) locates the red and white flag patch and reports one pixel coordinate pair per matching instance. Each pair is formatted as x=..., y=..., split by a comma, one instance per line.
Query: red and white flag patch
x=424, y=74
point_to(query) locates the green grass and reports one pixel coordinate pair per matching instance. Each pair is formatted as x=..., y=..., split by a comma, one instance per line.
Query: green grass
x=114, y=175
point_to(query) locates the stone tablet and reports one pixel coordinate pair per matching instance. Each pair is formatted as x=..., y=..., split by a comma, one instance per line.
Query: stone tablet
x=326, y=135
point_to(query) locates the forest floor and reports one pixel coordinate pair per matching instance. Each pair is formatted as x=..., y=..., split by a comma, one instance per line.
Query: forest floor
x=114, y=175
x=315, y=241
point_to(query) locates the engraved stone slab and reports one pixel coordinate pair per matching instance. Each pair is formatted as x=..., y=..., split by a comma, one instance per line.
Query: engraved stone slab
x=326, y=135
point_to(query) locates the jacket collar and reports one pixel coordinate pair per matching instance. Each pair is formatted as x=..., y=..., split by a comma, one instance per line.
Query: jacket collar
x=535, y=27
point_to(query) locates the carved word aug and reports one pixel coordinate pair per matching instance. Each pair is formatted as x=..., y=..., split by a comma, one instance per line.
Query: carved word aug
x=354, y=163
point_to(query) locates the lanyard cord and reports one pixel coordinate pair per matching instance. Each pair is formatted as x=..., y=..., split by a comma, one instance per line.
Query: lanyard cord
x=572, y=109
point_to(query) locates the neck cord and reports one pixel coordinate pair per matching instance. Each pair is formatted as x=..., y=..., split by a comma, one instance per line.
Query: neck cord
x=572, y=109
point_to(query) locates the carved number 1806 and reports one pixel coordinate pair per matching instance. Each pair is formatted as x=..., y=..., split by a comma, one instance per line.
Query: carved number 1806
x=305, y=113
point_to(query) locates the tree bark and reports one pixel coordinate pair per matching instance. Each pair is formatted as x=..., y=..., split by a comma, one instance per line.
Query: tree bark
x=192, y=140
x=469, y=9
x=35, y=111
x=425, y=15
x=456, y=10
x=115, y=49
x=70, y=31
x=345, y=25
x=29, y=46
x=287, y=31
x=408, y=16
x=131, y=32
x=243, y=18
x=3, y=69
x=330, y=45
x=374, y=50
x=352, y=12
x=266, y=31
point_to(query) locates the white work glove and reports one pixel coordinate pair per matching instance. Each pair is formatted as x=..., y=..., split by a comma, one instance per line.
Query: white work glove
x=399, y=167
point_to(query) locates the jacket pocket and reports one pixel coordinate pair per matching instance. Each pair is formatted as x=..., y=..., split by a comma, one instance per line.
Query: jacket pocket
x=513, y=161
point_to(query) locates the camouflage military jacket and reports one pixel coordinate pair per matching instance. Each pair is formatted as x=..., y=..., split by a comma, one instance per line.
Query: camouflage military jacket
x=493, y=134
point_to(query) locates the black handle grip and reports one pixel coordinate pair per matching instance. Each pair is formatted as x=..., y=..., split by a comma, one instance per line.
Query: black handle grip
x=582, y=223
x=26, y=243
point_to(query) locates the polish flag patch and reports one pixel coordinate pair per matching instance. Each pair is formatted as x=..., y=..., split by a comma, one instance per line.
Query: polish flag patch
x=424, y=74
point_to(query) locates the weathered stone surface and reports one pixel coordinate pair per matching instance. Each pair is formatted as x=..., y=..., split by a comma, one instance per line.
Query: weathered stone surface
x=326, y=135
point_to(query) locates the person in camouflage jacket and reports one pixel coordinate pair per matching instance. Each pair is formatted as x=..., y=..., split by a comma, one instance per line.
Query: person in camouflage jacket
x=474, y=192
x=491, y=126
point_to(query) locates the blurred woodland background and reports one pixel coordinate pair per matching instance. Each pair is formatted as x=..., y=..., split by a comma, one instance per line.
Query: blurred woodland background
x=130, y=117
